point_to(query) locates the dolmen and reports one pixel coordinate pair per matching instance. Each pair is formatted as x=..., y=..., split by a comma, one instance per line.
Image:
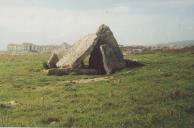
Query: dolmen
x=105, y=56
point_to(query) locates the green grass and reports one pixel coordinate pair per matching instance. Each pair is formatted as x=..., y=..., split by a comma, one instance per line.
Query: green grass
x=158, y=95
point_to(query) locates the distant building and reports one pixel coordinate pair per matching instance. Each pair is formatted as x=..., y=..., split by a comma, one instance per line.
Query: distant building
x=133, y=49
x=29, y=47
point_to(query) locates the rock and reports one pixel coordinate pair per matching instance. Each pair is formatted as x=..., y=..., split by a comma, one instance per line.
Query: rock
x=130, y=63
x=58, y=71
x=45, y=65
x=78, y=52
x=9, y=104
x=86, y=71
x=111, y=53
x=103, y=49
x=4, y=105
x=111, y=59
x=51, y=120
x=53, y=61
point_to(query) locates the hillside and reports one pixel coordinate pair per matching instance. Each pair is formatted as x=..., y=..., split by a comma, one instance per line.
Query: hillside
x=160, y=94
x=177, y=44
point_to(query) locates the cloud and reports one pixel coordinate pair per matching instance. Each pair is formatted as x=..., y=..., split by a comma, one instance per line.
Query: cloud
x=42, y=24
x=171, y=3
x=118, y=9
x=53, y=21
x=129, y=22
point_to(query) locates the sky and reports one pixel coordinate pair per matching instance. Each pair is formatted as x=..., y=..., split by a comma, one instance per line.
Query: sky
x=133, y=22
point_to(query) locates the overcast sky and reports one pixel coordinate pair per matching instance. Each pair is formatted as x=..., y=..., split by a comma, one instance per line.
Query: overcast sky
x=132, y=21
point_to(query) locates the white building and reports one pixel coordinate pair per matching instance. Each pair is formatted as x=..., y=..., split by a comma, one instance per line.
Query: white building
x=29, y=47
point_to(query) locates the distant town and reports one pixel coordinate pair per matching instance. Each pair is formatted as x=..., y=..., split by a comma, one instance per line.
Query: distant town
x=30, y=47
x=26, y=47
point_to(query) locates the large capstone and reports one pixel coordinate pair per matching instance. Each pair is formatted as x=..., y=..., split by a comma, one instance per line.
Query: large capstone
x=78, y=52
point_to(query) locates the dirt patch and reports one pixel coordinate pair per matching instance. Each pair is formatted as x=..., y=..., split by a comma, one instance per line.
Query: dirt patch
x=41, y=88
x=177, y=94
x=81, y=81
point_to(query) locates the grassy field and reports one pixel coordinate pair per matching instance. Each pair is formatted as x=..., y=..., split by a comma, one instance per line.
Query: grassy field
x=158, y=95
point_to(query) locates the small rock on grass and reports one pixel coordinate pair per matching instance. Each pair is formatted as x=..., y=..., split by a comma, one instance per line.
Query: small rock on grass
x=9, y=104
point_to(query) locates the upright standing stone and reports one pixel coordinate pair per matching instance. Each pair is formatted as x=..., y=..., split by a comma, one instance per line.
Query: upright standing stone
x=111, y=53
x=111, y=59
x=53, y=61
